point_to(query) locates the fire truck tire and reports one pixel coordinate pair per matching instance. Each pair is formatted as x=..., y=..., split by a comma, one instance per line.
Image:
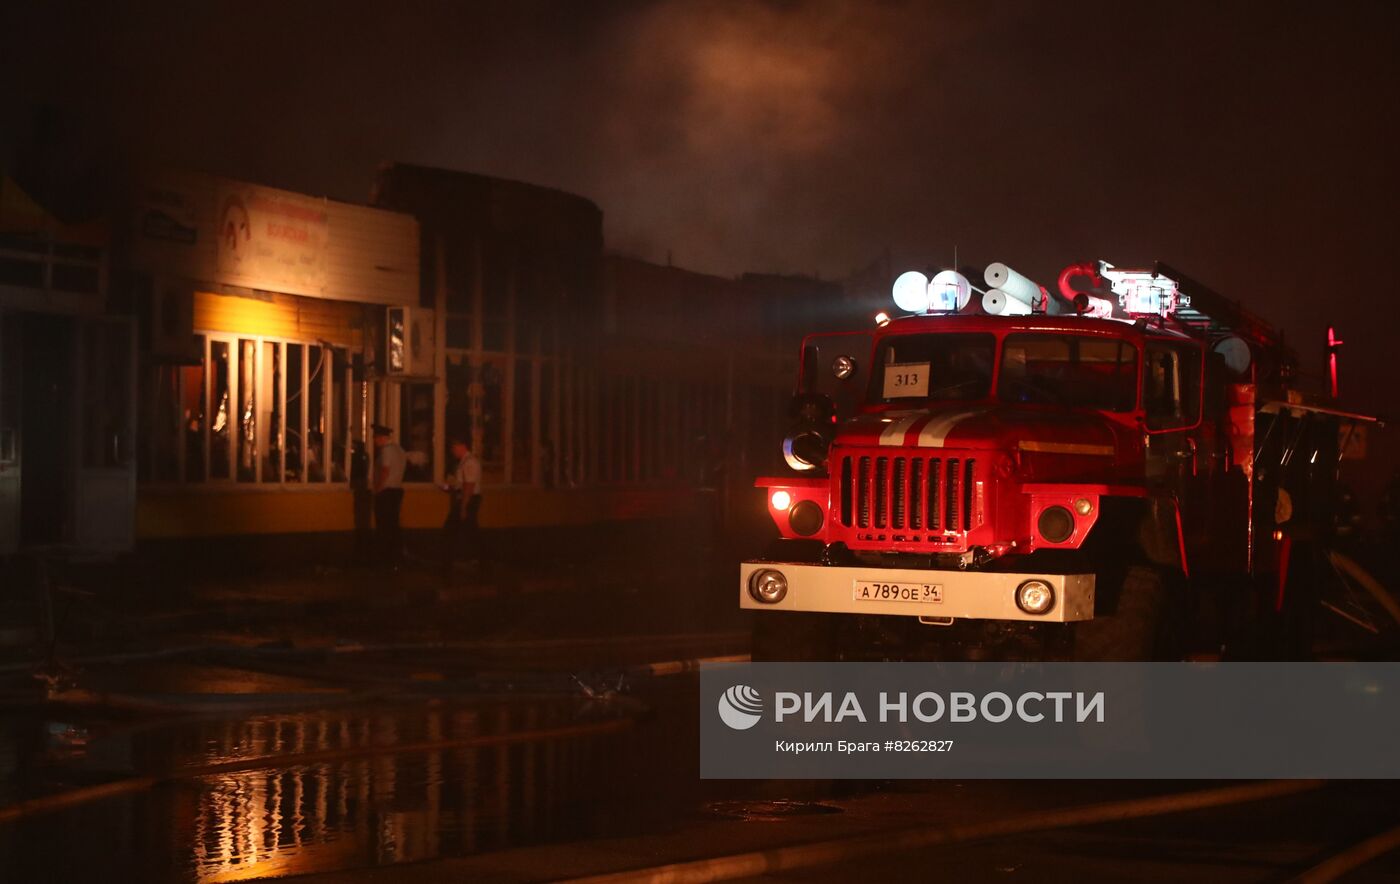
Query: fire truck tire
x=1136, y=626
x=793, y=637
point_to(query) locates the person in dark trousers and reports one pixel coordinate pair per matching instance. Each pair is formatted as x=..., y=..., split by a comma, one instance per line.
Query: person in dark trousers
x=459, y=531
x=364, y=502
x=389, y=463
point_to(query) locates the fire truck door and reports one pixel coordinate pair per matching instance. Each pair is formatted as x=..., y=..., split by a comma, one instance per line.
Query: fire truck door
x=1179, y=459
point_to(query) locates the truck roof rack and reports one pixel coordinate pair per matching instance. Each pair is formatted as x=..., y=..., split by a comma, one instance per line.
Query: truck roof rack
x=1210, y=314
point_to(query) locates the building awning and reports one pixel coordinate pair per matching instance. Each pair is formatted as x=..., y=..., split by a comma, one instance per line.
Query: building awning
x=21, y=215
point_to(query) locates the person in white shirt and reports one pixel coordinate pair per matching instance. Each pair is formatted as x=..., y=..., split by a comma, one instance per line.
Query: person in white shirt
x=389, y=463
x=459, y=531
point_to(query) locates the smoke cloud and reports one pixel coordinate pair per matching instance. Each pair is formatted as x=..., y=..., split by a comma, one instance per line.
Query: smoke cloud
x=1252, y=151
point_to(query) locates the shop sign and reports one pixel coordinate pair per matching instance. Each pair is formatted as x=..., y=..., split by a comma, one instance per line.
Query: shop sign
x=271, y=239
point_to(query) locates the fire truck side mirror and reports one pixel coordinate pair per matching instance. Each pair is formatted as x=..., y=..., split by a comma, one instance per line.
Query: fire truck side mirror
x=811, y=410
x=812, y=421
x=806, y=450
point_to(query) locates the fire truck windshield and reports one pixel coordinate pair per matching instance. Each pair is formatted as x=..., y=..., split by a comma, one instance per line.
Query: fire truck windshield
x=1071, y=370
x=935, y=367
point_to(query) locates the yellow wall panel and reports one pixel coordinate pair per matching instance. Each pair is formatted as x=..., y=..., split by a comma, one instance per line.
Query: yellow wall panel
x=283, y=316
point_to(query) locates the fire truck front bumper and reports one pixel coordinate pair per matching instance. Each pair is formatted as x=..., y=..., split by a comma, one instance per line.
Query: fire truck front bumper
x=938, y=595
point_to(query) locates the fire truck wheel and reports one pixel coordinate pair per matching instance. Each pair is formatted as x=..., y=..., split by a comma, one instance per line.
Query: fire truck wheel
x=1135, y=626
x=793, y=637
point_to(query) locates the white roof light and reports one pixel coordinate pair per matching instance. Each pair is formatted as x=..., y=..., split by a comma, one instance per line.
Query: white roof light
x=949, y=290
x=911, y=292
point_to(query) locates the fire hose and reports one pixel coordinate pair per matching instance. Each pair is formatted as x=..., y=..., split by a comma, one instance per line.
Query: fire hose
x=1348, y=566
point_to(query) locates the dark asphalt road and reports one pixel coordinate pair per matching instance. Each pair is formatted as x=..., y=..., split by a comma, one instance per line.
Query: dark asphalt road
x=513, y=734
x=430, y=782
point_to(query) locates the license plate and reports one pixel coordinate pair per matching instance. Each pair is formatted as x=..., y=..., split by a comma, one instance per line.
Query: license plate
x=879, y=591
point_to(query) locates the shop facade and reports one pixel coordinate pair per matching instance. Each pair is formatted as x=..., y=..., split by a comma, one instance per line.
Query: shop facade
x=222, y=353
x=275, y=329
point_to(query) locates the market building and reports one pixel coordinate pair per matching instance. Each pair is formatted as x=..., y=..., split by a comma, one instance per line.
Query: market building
x=222, y=347
x=594, y=386
x=275, y=328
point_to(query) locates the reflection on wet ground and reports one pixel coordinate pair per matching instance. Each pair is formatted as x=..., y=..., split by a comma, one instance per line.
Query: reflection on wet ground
x=341, y=800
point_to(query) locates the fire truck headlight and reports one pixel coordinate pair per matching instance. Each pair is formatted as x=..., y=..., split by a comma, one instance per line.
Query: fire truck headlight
x=1056, y=524
x=1035, y=597
x=843, y=367
x=781, y=500
x=805, y=518
x=768, y=586
x=1084, y=506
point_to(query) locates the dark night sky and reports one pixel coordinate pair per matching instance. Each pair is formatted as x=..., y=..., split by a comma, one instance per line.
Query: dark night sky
x=1251, y=145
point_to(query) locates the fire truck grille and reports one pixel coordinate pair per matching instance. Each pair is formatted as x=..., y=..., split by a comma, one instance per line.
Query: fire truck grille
x=930, y=494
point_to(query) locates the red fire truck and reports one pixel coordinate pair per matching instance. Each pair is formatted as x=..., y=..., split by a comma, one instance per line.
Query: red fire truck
x=1103, y=471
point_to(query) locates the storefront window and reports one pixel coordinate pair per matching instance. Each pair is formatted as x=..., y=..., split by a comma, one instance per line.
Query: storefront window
x=193, y=390
x=646, y=409
x=272, y=401
x=458, y=410
x=459, y=332
x=495, y=305
x=416, y=430
x=340, y=411
x=615, y=437
x=492, y=397
x=247, y=416
x=294, y=444
x=548, y=427
x=294, y=402
x=316, y=369
x=220, y=428
x=522, y=459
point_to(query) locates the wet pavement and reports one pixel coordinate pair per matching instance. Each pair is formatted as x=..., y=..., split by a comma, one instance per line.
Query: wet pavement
x=327, y=789
x=370, y=781
x=349, y=728
x=339, y=719
x=430, y=783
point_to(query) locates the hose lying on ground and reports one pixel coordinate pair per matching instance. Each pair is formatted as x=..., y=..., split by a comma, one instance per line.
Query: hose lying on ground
x=1348, y=566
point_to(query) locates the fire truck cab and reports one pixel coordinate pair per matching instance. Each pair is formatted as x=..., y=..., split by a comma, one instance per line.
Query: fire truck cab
x=1015, y=466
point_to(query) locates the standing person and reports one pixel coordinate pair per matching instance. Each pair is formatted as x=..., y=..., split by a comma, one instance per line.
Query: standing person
x=364, y=501
x=459, y=531
x=389, y=463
